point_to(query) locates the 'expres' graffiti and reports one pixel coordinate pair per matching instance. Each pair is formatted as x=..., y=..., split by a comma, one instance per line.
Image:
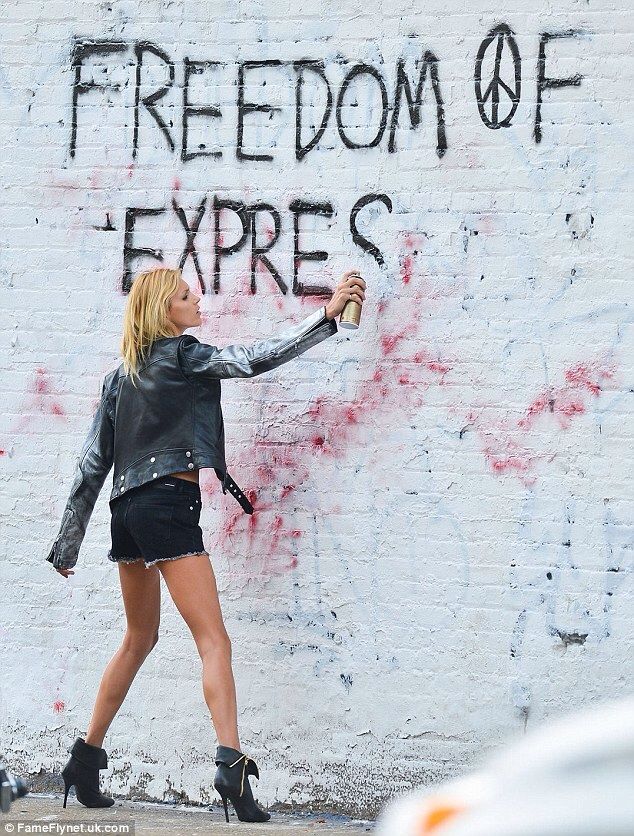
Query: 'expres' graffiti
x=247, y=215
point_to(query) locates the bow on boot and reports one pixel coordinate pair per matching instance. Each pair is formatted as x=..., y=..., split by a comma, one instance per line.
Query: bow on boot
x=232, y=782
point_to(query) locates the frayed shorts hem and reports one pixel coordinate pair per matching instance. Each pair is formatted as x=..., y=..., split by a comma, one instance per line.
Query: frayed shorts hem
x=155, y=560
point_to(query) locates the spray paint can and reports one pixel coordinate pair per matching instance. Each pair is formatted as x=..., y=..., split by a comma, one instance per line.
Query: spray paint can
x=351, y=313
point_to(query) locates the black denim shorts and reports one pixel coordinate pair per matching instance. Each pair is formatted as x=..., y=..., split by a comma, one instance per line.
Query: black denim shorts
x=157, y=521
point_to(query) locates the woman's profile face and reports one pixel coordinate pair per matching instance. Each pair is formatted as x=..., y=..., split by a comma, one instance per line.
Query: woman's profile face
x=183, y=309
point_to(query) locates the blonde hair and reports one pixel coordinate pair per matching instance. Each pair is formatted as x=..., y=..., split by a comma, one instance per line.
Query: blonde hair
x=145, y=317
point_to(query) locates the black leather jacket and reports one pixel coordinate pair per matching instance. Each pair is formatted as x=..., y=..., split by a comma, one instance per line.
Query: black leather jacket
x=171, y=421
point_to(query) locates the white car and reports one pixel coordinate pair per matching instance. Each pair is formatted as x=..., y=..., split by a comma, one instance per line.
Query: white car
x=573, y=776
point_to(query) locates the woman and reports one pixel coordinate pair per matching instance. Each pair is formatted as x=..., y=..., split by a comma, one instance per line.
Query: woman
x=159, y=421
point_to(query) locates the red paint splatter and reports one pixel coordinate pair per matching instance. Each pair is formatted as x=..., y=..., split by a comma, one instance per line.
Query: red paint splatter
x=508, y=446
x=568, y=400
x=441, y=368
x=41, y=383
x=589, y=376
x=325, y=430
x=389, y=342
x=412, y=244
x=434, y=366
x=58, y=706
x=407, y=268
x=296, y=443
x=41, y=399
x=539, y=405
x=500, y=463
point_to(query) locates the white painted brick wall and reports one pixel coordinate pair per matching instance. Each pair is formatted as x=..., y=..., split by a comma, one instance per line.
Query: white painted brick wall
x=452, y=558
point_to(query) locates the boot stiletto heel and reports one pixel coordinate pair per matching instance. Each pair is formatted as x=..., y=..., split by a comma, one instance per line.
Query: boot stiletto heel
x=82, y=771
x=231, y=782
x=66, y=788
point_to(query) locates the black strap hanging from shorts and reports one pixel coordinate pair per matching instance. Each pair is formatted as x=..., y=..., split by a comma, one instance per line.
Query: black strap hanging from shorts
x=228, y=482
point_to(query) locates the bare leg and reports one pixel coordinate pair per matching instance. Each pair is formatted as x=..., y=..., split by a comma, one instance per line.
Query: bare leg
x=141, y=590
x=192, y=585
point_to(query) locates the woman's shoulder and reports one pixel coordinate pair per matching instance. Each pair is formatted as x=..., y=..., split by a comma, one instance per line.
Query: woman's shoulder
x=111, y=380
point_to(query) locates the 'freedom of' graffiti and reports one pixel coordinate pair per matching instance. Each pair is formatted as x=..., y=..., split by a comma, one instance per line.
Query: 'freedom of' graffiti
x=94, y=64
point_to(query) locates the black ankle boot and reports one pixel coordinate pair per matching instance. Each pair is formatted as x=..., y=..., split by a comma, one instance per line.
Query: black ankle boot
x=231, y=782
x=82, y=770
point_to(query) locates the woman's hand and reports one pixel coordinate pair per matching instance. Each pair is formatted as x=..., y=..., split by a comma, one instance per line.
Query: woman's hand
x=351, y=286
x=65, y=572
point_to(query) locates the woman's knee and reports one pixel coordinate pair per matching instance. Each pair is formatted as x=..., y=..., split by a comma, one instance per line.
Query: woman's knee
x=215, y=641
x=140, y=643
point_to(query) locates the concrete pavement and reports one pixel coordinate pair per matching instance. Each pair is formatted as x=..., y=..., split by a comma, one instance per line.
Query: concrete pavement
x=173, y=819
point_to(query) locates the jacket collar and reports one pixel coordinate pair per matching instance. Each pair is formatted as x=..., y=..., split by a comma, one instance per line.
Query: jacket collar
x=168, y=339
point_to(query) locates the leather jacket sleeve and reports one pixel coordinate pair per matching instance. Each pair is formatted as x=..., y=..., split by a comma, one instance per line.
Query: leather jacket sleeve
x=93, y=465
x=202, y=360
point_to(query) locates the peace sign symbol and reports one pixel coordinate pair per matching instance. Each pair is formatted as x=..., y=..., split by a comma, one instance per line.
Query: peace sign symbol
x=504, y=37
